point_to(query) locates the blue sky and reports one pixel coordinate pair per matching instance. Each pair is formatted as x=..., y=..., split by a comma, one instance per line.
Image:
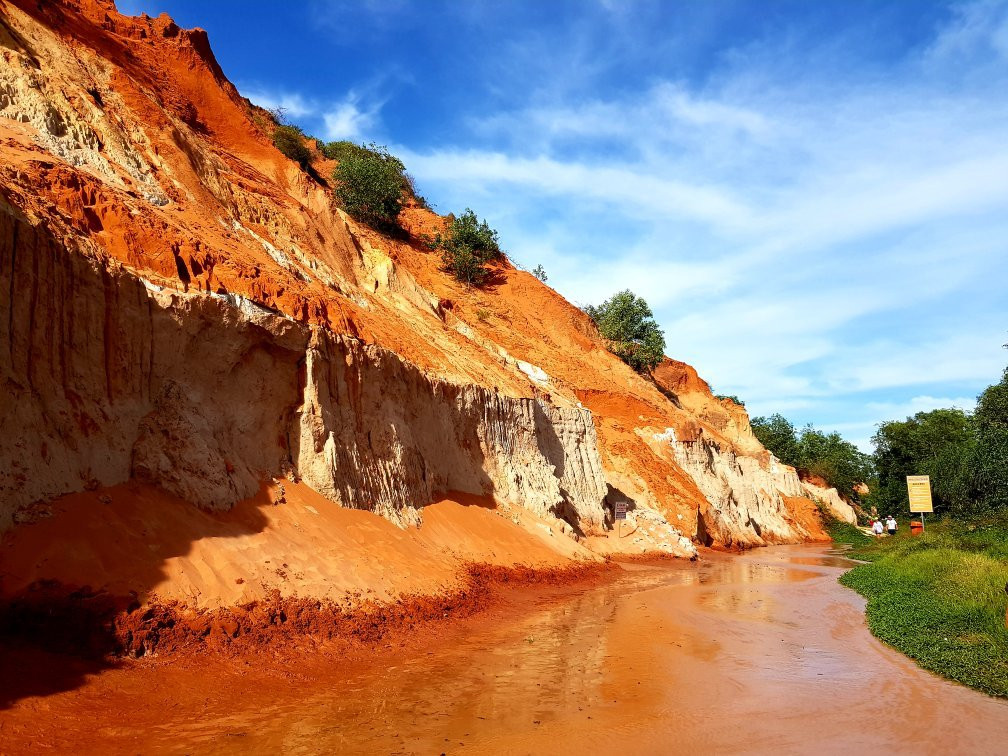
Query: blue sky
x=813, y=196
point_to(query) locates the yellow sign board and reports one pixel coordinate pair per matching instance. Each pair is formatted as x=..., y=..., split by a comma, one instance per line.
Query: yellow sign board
x=919, y=488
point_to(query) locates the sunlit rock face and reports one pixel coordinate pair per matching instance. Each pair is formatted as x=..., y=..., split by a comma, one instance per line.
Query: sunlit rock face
x=187, y=308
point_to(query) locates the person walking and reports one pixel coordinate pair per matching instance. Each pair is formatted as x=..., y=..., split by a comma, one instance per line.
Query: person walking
x=877, y=528
x=891, y=525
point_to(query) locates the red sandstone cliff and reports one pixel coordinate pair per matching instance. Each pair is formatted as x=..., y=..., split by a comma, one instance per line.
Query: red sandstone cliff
x=190, y=321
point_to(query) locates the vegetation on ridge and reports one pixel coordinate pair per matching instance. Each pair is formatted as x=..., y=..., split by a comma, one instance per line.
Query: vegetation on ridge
x=814, y=453
x=369, y=183
x=290, y=141
x=467, y=248
x=626, y=322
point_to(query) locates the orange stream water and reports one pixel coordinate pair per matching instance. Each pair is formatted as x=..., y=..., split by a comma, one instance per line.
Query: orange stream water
x=763, y=652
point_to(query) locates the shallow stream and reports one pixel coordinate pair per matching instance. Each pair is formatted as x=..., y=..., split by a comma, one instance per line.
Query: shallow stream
x=762, y=652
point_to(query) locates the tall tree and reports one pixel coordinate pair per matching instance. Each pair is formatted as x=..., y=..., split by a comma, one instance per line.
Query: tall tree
x=990, y=457
x=939, y=444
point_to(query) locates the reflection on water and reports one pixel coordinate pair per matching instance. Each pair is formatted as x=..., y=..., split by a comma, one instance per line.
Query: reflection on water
x=576, y=659
x=823, y=561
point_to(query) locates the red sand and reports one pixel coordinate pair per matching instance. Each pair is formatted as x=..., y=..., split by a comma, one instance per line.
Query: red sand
x=154, y=574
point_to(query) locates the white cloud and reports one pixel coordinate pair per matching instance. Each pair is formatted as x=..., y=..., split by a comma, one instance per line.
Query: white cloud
x=346, y=120
x=829, y=244
x=696, y=111
x=634, y=192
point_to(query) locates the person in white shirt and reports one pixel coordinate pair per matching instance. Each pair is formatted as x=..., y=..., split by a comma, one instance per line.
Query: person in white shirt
x=890, y=524
x=877, y=527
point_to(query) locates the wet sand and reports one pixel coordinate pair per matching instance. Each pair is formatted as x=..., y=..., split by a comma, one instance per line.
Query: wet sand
x=763, y=652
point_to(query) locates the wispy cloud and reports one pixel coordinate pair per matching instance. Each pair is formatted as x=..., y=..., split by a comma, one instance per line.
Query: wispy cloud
x=350, y=118
x=812, y=232
x=634, y=192
x=293, y=105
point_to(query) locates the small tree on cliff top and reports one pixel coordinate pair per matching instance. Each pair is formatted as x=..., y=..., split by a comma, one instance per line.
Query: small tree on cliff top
x=628, y=325
x=466, y=249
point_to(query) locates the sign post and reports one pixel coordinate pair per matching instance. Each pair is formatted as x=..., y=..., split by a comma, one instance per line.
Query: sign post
x=620, y=512
x=919, y=490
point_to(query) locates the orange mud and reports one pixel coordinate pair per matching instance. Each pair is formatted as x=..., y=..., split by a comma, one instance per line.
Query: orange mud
x=762, y=652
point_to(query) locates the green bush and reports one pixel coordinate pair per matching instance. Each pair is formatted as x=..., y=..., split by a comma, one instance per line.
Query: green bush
x=369, y=183
x=626, y=322
x=290, y=141
x=778, y=435
x=342, y=149
x=467, y=247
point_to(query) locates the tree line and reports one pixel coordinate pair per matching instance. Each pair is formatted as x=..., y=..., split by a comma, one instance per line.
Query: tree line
x=964, y=454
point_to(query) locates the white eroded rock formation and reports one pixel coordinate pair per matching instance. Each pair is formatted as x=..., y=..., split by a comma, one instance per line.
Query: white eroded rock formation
x=207, y=395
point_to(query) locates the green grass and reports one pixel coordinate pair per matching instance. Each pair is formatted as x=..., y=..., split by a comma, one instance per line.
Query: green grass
x=940, y=598
x=843, y=532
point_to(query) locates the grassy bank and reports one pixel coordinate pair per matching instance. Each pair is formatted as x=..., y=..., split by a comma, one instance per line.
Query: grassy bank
x=843, y=532
x=940, y=597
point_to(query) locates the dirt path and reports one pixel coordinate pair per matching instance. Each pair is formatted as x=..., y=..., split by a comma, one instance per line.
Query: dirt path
x=755, y=653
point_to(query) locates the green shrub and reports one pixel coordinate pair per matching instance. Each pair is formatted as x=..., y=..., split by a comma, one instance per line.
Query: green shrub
x=467, y=248
x=626, y=322
x=778, y=435
x=369, y=183
x=540, y=272
x=342, y=149
x=290, y=141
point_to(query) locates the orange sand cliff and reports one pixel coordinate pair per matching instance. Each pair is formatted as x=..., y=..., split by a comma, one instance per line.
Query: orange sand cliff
x=191, y=322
